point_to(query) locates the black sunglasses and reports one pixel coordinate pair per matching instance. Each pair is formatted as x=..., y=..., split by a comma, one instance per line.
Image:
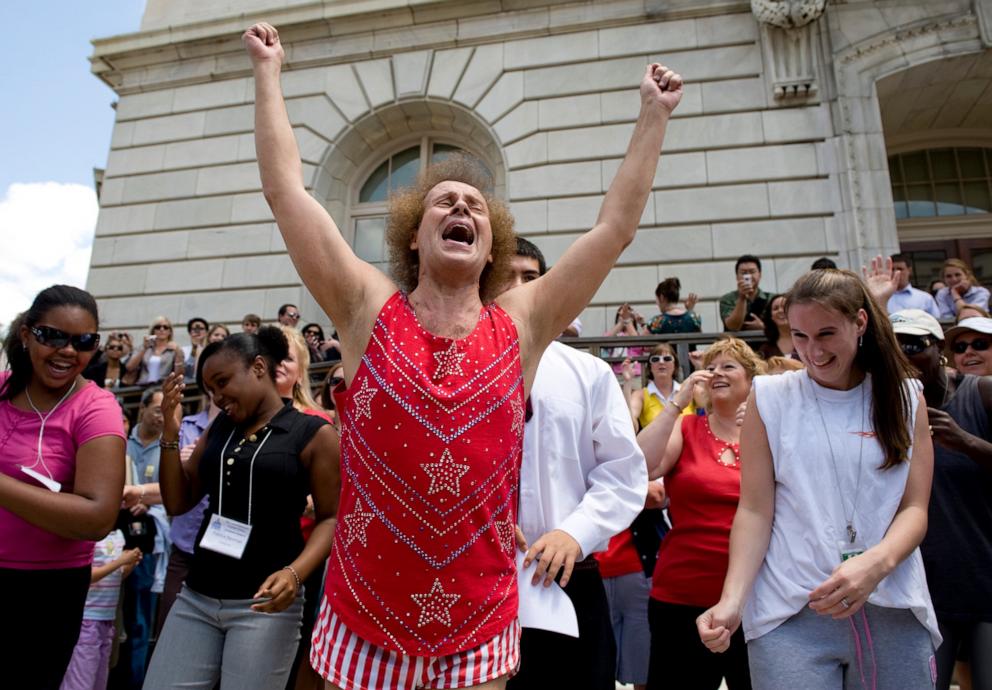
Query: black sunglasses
x=978, y=345
x=915, y=346
x=161, y=327
x=116, y=347
x=53, y=337
x=292, y=315
x=654, y=359
x=316, y=333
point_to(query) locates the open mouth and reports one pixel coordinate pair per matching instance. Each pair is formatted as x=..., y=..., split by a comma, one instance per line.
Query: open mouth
x=972, y=363
x=60, y=368
x=459, y=232
x=720, y=384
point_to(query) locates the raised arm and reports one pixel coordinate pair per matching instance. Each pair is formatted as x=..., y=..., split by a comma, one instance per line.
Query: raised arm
x=347, y=288
x=661, y=440
x=548, y=304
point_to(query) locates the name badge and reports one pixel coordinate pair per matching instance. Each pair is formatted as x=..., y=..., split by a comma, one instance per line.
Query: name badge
x=226, y=536
x=48, y=482
x=149, y=471
x=850, y=549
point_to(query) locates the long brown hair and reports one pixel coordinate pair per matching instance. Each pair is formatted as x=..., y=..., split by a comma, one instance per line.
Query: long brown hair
x=879, y=353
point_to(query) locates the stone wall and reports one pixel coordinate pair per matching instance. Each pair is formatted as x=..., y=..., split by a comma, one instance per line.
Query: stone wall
x=549, y=92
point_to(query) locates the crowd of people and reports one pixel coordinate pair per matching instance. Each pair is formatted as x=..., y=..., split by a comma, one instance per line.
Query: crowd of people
x=467, y=502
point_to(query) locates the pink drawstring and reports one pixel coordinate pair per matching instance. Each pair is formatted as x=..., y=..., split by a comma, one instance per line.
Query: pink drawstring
x=871, y=649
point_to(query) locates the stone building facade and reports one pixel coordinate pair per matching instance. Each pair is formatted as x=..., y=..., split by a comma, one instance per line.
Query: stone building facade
x=793, y=111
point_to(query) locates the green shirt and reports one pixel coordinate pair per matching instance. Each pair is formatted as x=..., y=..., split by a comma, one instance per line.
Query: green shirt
x=755, y=306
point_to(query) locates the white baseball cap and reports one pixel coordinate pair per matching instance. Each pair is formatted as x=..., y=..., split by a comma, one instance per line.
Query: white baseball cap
x=917, y=322
x=978, y=324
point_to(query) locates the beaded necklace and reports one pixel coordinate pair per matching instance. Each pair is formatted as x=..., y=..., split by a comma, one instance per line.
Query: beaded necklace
x=723, y=446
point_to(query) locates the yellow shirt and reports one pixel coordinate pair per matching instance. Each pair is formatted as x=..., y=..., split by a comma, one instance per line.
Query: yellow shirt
x=654, y=403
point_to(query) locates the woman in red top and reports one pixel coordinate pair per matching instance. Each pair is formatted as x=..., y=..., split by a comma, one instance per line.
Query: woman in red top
x=700, y=460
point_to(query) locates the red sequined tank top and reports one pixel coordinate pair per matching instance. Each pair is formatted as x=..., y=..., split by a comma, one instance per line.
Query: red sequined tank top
x=431, y=441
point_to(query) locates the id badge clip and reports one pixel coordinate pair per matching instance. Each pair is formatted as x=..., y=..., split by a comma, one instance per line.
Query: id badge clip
x=850, y=549
x=226, y=536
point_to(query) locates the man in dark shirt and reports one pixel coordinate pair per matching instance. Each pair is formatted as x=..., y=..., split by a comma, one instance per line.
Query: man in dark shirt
x=741, y=309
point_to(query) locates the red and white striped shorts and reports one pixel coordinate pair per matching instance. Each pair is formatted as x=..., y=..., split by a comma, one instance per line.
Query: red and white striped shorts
x=344, y=659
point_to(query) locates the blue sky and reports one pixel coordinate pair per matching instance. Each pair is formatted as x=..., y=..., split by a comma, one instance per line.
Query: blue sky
x=56, y=127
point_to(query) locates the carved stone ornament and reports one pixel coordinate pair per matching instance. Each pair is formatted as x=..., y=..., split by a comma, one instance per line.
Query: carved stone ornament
x=789, y=42
x=787, y=14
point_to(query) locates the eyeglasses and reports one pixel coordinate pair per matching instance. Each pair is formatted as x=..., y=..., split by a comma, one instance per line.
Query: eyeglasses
x=197, y=327
x=115, y=348
x=655, y=359
x=54, y=338
x=161, y=327
x=292, y=314
x=915, y=346
x=978, y=345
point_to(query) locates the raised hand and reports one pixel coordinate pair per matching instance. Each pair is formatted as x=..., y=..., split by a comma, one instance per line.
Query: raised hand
x=661, y=86
x=690, y=301
x=880, y=279
x=262, y=43
x=172, y=395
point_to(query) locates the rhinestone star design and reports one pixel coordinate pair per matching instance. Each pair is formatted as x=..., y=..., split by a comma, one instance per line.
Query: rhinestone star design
x=363, y=399
x=445, y=474
x=449, y=362
x=355, y=524
x=507, y=534
x=518, y=416
x=435, y=605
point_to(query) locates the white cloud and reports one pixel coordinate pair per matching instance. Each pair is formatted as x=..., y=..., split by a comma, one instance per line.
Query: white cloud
x=46, y=236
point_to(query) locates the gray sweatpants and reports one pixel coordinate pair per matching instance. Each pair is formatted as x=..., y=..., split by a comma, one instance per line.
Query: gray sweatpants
x=876, y=649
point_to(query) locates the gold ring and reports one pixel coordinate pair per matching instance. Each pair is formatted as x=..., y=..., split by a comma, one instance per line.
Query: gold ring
x=845, y=603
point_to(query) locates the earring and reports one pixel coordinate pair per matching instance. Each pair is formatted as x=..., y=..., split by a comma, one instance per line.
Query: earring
x=943, y=360
x=861, y=340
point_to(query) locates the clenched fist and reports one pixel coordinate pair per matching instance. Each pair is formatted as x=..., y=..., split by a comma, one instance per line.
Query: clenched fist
x=661, y=86
x=262, y=43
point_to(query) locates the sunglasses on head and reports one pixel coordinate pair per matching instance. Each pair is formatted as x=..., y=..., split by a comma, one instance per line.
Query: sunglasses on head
x=915, y=346
x=978, y=345
x=54, y=338
x=655, y=359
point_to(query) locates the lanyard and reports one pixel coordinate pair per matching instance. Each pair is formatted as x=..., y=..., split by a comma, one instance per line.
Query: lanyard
x=41, y=432
x=852, y=534
x=251, y=474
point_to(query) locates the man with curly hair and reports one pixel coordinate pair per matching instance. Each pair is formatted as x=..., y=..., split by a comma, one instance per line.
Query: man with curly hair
x=421, y=588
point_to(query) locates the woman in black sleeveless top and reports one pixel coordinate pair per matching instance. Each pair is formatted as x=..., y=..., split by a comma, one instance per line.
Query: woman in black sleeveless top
x=957, y=550
x=238, y=616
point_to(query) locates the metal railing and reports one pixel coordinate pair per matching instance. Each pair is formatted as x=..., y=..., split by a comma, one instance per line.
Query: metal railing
x=683, y=343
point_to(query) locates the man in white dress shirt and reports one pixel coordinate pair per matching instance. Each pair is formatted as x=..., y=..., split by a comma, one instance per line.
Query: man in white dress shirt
x=583, y=479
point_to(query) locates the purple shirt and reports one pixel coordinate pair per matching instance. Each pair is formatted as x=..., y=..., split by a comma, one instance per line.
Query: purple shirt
x=186, y=526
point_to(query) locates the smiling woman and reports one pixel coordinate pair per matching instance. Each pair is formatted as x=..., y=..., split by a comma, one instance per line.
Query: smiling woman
x=61, y=480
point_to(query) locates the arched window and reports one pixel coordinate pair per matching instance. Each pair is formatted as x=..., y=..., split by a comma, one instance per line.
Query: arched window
x=941, y=182
x=368, y=209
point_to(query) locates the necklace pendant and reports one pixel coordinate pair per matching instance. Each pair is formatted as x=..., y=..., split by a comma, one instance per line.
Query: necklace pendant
x=852, y=533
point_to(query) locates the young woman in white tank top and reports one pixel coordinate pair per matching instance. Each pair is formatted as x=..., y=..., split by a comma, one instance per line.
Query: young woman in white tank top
x=836, y=463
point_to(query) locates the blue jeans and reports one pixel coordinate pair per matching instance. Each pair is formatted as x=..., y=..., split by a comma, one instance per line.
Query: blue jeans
x=139, y=614
x=205, y=640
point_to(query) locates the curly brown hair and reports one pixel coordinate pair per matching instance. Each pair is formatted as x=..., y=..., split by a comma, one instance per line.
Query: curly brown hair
x=406, y=209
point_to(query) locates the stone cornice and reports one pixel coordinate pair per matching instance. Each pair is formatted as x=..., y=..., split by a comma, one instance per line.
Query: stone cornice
x=875, y=44
x=322, y=33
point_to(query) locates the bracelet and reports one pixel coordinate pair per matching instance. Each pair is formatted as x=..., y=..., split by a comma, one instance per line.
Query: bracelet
x=672, y=403
x=168, y=445
x=141, y=496
x=299, y=584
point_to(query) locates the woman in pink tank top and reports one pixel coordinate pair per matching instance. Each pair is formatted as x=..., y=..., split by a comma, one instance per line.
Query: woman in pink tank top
x=61, y=482
x=421, y=586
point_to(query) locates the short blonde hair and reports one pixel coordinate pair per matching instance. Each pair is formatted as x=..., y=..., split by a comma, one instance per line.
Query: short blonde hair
x=780, y=365
x=739, y=351
x=157, y=320
x=302, y=395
